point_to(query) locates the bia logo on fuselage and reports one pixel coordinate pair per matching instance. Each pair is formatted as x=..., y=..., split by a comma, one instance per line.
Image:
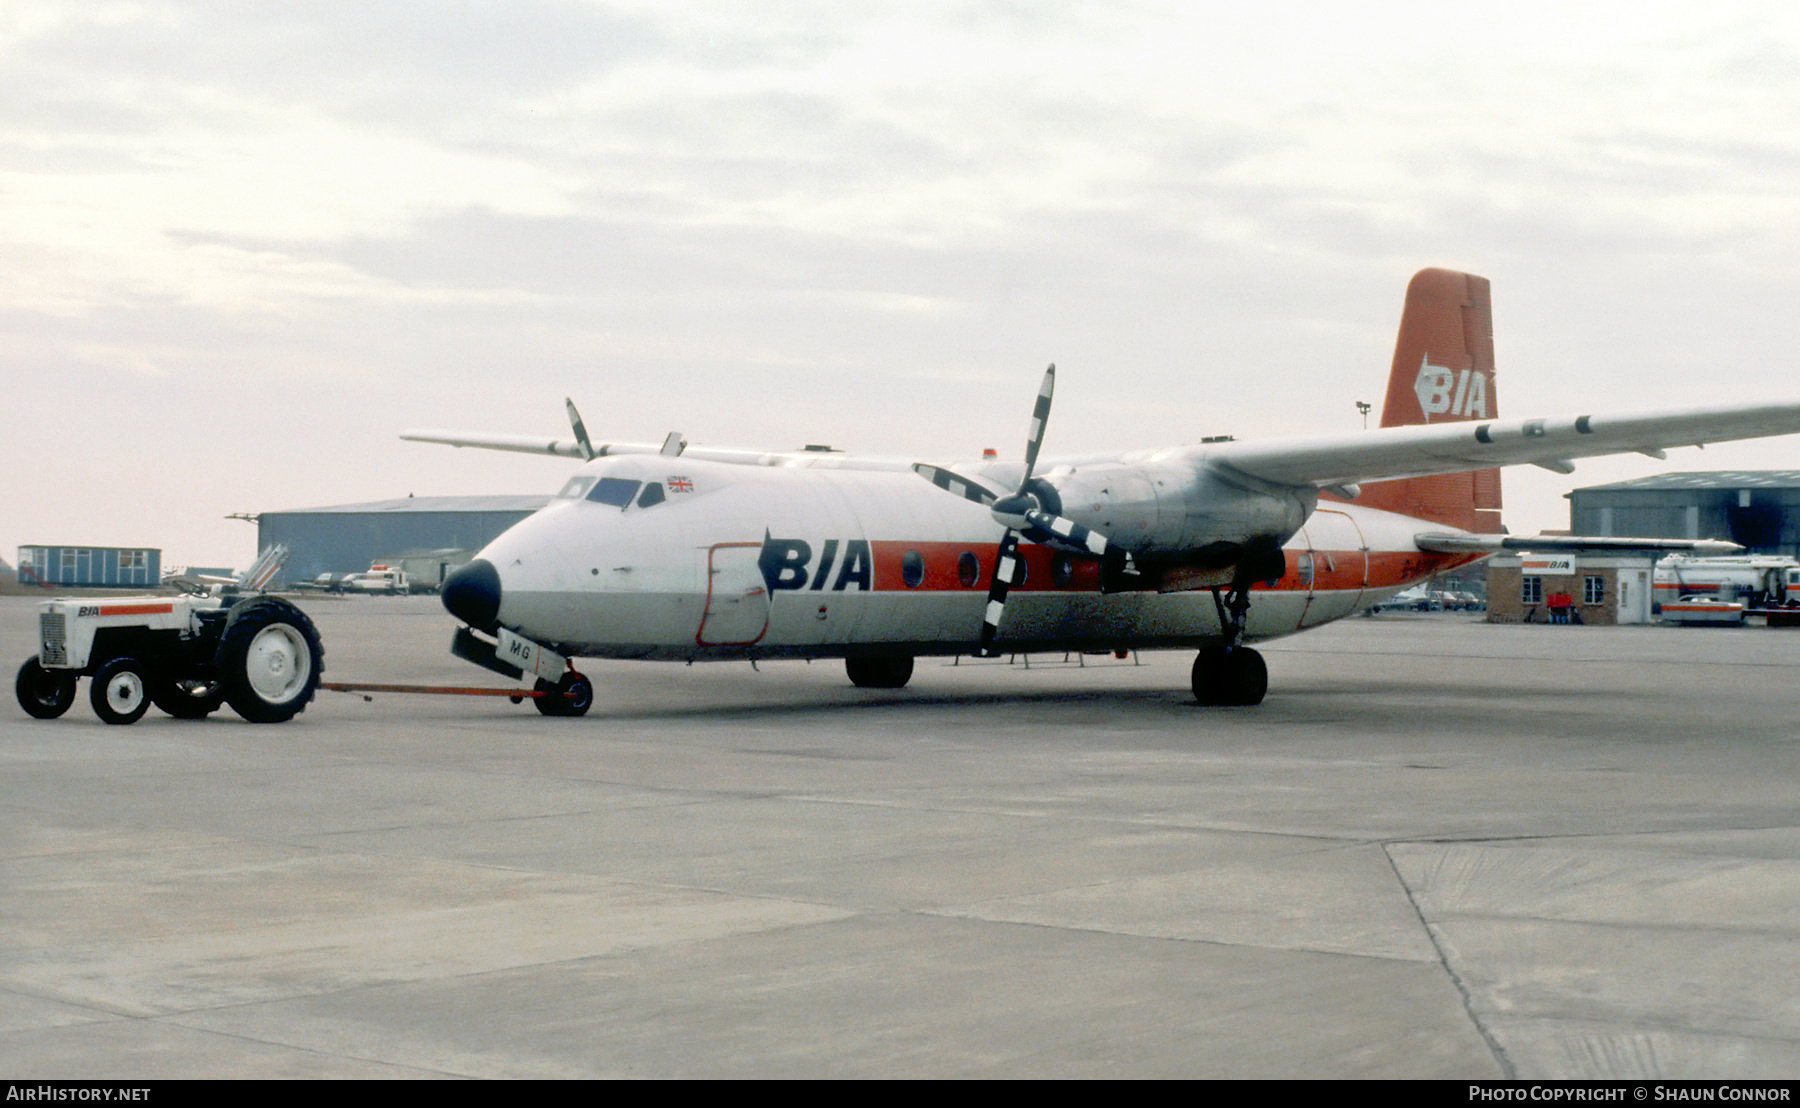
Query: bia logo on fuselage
x=1445, y=391
x=789, y=564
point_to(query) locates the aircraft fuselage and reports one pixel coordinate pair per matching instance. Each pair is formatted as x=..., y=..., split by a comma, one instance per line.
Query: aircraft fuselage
x=678, y=559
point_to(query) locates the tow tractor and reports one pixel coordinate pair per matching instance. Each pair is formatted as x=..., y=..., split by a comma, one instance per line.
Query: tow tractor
x=188, y=655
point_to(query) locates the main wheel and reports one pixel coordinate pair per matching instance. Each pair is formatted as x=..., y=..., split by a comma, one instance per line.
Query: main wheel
x=573, y=695
x=44, y=693
x=879, y=673
x=186, y=697
x=120, y=692
x=1230, y=678
x=269, y=660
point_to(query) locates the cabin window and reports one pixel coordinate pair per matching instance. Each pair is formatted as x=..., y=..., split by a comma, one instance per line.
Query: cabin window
x=1531, y=590
x=968, y=569
x=614, y=491
x=576, y=488
x=1593, y=590
x=652, y=495
x=1062, y=570
x=912, y=569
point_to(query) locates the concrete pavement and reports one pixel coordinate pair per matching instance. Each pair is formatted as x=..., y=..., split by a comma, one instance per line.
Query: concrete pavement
x=1440, y=849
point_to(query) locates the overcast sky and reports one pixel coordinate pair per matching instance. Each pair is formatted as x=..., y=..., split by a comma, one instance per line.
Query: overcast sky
x=245, y=244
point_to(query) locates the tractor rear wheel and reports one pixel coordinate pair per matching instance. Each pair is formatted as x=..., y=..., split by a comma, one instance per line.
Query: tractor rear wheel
x=269, y=660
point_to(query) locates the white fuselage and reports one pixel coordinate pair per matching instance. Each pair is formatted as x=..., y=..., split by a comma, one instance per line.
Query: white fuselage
x=727, y=561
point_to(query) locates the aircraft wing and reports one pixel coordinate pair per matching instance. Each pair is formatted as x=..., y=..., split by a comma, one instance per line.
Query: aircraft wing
x=1458, y=542
x=1327, y=461
x=816, y=458
x=522, y=444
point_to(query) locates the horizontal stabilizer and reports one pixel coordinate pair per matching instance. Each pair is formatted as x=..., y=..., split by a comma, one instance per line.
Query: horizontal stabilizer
x=1444, y=542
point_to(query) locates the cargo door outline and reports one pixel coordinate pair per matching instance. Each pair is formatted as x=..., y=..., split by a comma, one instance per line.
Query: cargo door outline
x=737, y=597
x=1340, y=570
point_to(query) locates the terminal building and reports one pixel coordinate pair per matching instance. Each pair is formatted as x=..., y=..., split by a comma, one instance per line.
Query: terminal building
x=1606, y=590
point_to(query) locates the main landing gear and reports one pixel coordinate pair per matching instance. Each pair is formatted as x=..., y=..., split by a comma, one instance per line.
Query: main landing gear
x=879, y=673
x=1231, y=674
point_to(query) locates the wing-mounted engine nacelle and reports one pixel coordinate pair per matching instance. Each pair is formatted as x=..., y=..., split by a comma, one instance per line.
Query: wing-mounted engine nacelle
x=1175, y=509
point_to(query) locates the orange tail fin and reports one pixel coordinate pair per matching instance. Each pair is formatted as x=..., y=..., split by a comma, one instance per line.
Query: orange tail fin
x=1443, y=372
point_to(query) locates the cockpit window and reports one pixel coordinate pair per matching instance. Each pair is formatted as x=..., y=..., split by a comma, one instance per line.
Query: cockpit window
x=652, y=495
x=616, y=491
x=576, y=488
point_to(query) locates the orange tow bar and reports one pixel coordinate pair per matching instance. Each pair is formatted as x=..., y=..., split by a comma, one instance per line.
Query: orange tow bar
x=364, y=688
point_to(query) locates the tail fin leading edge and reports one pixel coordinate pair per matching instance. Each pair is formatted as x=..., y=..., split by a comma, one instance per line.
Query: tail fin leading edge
x=1443, y=372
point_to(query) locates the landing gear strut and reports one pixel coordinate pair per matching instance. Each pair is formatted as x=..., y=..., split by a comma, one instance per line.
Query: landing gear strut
x=1231, y=674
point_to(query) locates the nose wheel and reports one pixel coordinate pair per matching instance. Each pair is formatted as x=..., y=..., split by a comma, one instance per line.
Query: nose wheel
x=572, y=695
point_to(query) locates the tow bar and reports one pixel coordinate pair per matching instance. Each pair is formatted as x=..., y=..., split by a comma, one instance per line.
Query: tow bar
x=363, y=688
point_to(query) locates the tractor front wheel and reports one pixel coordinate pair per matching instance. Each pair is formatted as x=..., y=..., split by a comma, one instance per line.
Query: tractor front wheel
x=120, y=692
x=44, y=693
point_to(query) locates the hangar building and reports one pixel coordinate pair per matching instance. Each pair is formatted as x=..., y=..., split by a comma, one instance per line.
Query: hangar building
x=1757, y=509
x=429, y=535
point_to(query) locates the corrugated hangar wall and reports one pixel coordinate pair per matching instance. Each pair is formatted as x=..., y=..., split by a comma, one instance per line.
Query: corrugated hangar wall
x=347, y=538
x=1758, y=509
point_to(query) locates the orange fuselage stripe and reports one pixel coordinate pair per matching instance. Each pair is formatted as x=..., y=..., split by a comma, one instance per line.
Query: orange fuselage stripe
x=1333, y=570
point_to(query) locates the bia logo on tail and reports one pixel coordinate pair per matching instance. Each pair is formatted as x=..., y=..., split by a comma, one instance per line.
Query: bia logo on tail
x=1462, y=394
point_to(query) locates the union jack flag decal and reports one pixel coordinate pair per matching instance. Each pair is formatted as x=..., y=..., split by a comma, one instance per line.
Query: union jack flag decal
x=680, y=484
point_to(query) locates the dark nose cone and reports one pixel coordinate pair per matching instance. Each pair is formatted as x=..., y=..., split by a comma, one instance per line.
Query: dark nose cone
x=472, y=594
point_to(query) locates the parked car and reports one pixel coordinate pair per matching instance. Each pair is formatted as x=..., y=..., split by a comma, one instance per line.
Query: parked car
x=1416, y=599
x=1457, y=600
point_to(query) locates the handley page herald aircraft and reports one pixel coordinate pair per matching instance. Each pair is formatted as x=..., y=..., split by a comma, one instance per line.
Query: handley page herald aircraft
x=695, y=554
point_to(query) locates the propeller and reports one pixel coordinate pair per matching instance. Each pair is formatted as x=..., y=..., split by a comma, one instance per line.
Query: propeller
x=581, y=435
x=1022, y=512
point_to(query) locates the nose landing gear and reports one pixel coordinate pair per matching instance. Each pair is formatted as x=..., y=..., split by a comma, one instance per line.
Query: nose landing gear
x=571, y=695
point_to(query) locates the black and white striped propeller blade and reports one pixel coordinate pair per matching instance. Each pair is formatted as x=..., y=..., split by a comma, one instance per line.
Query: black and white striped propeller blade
x=957, y=484
x=581, y=435
x=1040, y=415
x=1006, y=570
x=1065, y=534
